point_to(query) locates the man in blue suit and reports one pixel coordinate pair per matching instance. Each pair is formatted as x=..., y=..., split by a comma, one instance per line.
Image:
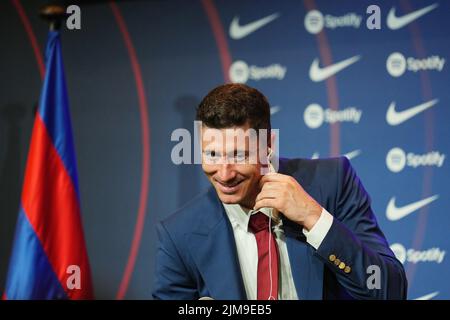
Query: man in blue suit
x=306, y=231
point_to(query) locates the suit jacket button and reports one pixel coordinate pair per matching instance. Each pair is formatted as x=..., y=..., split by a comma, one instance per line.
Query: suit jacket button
x=337, y=261
x=341, y=266
x=332, y=257
x=347, y=269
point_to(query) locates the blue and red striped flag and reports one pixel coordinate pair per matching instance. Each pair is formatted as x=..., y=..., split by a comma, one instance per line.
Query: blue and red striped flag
x=49, y=258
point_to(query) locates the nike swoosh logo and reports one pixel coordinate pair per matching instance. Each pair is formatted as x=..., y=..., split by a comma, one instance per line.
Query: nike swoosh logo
x=395, y=213
x=395, y=23
x=428, y=296
x=348, y=155
x=395, y=118
x=274, y=110
x=238, y=32
x=352, y=154
x=317, y=73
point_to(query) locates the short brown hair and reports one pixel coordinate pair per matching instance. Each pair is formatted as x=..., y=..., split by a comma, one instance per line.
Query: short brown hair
x=232, y=105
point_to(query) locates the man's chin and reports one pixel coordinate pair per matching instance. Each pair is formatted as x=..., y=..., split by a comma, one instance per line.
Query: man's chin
x=230, y=198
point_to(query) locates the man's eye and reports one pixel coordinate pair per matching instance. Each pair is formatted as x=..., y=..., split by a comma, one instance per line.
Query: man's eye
x=210, y=154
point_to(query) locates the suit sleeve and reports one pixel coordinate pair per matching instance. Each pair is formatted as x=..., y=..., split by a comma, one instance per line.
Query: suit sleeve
x=356, y=240
x=172, y=280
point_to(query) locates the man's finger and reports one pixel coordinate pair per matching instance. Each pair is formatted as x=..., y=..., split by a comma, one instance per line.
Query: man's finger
x=272, y=177
x=265, y=203
x=271, y=186
x=267, y=194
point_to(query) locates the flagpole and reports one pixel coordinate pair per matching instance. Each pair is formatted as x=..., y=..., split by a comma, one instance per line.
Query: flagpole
x=54, y=15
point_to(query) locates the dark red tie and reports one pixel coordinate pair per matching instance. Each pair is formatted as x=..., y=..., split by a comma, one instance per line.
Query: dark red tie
x=259, y=225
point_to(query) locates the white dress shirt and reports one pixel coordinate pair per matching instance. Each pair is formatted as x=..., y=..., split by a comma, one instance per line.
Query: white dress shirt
x=248, y=251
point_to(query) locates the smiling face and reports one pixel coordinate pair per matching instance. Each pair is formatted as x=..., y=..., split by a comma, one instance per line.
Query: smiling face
x=231, y=164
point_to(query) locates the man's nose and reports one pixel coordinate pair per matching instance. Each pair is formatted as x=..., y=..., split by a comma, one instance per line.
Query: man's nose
x=226, y=172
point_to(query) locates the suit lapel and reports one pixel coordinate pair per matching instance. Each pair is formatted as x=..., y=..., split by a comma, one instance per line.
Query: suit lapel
x=213, y=249
x=307, y=270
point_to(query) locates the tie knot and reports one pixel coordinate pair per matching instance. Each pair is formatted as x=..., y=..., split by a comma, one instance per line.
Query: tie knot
x=258, y=222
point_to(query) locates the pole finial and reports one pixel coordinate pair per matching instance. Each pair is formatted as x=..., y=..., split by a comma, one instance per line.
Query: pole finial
x=53, y=14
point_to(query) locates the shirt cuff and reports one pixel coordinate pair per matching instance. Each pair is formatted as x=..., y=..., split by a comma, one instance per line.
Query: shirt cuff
x=318, y=232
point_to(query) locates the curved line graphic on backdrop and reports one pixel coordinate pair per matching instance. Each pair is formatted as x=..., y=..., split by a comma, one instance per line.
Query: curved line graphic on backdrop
x=427, y=94
x=31, y=36
x=331, y=83
x=145, y=134
x=219, y=36
x=34, y=45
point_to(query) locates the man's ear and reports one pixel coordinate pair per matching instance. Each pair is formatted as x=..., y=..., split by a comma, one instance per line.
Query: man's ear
x=272, y=139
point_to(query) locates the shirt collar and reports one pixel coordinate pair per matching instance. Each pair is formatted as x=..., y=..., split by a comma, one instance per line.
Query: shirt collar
x=239, y=216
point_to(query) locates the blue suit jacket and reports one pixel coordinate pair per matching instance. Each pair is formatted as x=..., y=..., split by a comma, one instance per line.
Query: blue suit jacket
x=197, y=252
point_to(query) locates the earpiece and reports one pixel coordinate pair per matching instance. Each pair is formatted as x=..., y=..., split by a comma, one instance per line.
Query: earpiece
x=271, y=237
x=269, y=160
